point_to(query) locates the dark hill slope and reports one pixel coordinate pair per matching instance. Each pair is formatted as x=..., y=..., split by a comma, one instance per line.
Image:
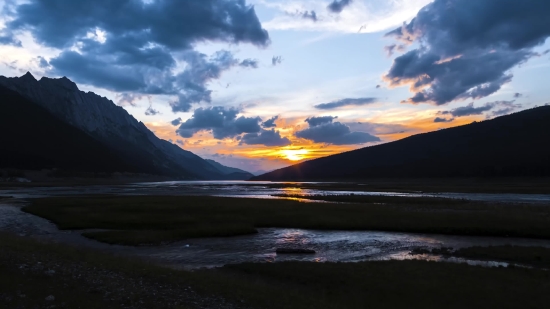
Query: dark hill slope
x=513, y=145
x=32, y=138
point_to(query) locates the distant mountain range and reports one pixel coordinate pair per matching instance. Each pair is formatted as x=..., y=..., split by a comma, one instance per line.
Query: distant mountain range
x=514, y=145
x=50, y=123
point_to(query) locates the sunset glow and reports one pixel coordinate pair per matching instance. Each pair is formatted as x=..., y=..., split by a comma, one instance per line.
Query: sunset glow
x=294, y=87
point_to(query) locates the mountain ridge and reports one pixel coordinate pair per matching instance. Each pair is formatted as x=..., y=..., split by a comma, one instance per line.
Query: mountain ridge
x=509, y=145
x=112, y=125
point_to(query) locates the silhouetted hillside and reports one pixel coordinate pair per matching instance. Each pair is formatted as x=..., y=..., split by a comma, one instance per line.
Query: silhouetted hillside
x=513, y=145
x=32, y=138
x=108, y=125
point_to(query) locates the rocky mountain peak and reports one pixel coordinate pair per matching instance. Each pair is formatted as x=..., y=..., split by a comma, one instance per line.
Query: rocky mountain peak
x=62, y=82
x=28, y=77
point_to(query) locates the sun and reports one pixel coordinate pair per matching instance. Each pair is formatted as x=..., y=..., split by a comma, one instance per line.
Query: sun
x=295, y=155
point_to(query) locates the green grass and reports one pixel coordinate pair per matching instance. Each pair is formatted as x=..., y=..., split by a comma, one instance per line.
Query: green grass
x=155, y=219
x=83, y=276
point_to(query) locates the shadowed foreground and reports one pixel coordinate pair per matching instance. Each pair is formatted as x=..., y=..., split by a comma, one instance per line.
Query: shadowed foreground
x=78, y=278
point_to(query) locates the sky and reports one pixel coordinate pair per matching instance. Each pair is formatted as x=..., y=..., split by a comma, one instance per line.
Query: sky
x=263, y=84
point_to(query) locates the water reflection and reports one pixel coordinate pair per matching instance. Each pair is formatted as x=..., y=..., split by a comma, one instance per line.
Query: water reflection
x=253, y=190
x=293, y=238
x=330, y=246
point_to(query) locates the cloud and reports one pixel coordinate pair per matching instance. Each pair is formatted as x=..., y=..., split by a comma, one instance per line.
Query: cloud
x=180, y=142
x=378, y=128
x=128, y=99
x=365, y=17
x=136, y=46
x=438, y=119
x=390, y=49
x=470, y=110
x=315, y=121
x=338, y=6
x=151, y=111
x=42, y=62
x=176, y=122
x=266, y=138
x=222, y=122
x=467, y=48
x=346, y=102
x=249, y=63
x=276, y=60
x=507, y=108
x=518, y=95
x=323, y=130
x=270, y=123
x=310, y=15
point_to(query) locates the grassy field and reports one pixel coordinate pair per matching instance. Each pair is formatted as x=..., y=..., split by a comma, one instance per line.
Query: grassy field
x=83, y=278
x=390, y=284
x=155, y=219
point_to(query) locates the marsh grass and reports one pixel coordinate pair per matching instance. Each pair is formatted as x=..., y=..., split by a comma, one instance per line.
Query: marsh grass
x=134, y=220
x=533, y=256
x=378, y=199
x=388, y=284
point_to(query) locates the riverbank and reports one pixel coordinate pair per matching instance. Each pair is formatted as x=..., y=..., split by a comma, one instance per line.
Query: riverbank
x=138, y=220
x=45, y=275
x=427, y=185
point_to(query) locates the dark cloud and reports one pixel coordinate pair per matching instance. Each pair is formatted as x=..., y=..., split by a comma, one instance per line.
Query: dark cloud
x=378, y=128
x=438, y=119
x=337, y=134
x=346, y=102
x=338, y=6
x=133, y=46
x=249, y=63
x=180, y=142
x=276, y=60
x=42, y=62
x=324, y=130
x=518, y=95
x=270, y=123
x=378, y=86
x=467, y=48
x=125, y=99
x=266, y=138
x=151, y=111
x=315, y=121
x=200, y=70
x=222, y=122
x=390, y=49
x=176, y=122
x=310, y=15
x=470, y=110
x=7, y=38
x=506, y=107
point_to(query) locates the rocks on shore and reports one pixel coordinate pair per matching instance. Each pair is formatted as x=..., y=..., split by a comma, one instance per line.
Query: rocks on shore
x=294, y=251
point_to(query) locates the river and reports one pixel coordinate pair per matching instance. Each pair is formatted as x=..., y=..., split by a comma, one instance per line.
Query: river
x=330, y=246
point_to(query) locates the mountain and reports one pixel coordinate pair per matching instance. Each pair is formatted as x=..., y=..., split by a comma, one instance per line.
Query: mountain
x=233, y=173
x=38, y=140
x=112, y=126
x=513, y=145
